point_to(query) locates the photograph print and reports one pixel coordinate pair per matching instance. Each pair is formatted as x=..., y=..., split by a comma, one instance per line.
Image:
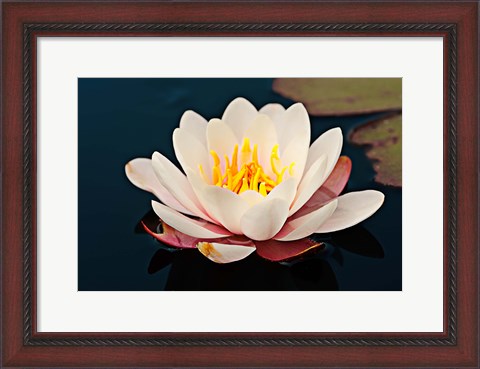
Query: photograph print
x=240, y=184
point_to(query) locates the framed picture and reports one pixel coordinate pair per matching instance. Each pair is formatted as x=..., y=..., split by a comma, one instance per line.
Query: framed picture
x=239, y=184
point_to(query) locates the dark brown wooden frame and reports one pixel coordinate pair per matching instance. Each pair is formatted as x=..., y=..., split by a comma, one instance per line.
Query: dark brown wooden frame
x=23, y=22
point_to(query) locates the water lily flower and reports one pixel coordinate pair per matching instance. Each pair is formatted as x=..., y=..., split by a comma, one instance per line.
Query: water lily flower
x=251, y=181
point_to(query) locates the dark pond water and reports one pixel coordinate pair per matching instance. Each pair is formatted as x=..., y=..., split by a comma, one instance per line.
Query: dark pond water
x=121, y=119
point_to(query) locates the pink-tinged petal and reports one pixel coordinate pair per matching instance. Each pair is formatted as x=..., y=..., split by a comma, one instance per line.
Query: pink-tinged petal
x=177, y=184
x=221, y=139
x=274, y=250
x=195, y=124
x=262, y=221
x=310, y=183
x=330, y=189
x=189, y=151
x=353, y=208
x=261, y=131
x=225, y=253
x=171, y=236
x=140, y=172
x=338, y=178
x=221, y=204
x=297, y=228
x=191, y=227
x=238, y=115
x=330, y=144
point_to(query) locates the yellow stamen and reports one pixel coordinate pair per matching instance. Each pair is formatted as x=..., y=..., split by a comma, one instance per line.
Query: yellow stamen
x=290, y=168
x=246, y=145
x=204, y=176
x=216, y=159
x=217, y=176
x=246, y=151
x=229, y=179
x=247, y=173
x=237, y=187
x=234, y=160
x=227, y=163
x=280, y=176
x=254, y=183
x=267, y=179
x=238, y=177
x=244, y=186
x=255, y=154
x=274, y=156
x=263, y=189
x=214, y=175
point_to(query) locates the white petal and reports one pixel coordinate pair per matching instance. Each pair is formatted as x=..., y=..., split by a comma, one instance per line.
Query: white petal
x=261, y=131
x=353, y=208
x=238, y=115
x=195, y=124
x=311, y=182
x=285, y=190
x=301, y=227
x=140, y=172
x=189, y=226
x=224, y=253
x=177, y=184
x=251, y=197
x=330, y=144
x=221, y=139
x=189, y=151
x=295, y=139
x=264, y=220
x=296, y=124
x=275, y=112
x=221, y=204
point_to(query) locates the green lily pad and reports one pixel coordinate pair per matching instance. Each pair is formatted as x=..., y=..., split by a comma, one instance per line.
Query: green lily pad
x=342, y=96
x=384, y=140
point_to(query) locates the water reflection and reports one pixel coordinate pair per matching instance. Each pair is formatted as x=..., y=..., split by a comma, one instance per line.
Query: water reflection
x=356, y=239
x=191, y=271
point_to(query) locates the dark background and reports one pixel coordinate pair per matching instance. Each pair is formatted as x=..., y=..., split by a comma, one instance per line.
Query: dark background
x=121, y=119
